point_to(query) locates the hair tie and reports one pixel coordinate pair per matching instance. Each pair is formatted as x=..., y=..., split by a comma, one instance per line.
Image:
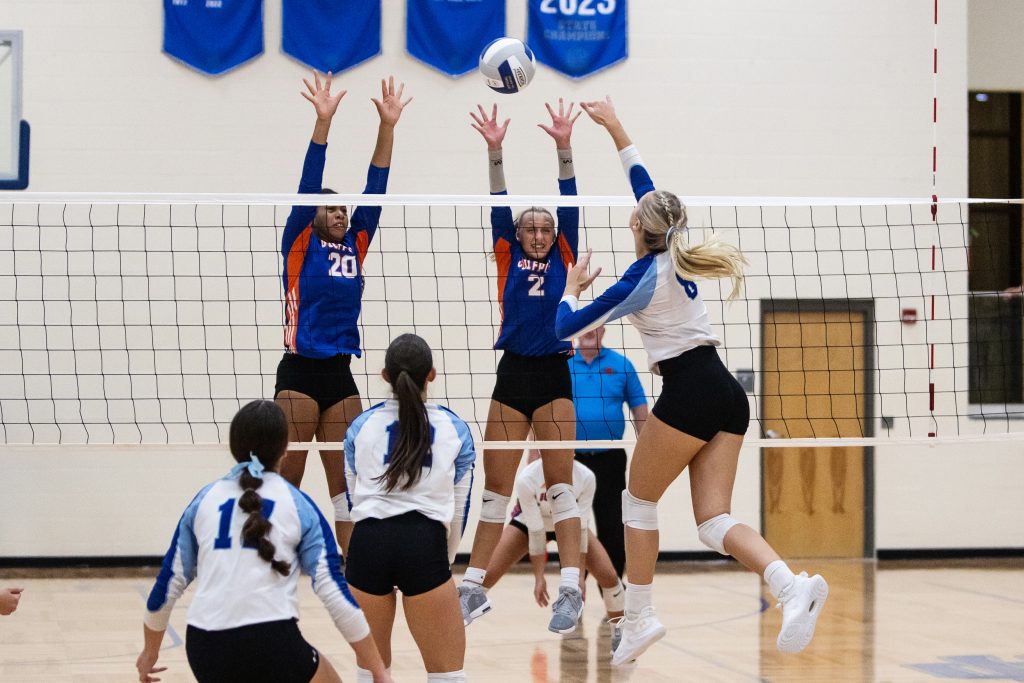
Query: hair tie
x=668, y=236
x=253, y=465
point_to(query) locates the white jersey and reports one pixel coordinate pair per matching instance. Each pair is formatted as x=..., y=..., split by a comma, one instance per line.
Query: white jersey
x=443, y=489
x=235, y=587
x=666, y=309
x=533, y=510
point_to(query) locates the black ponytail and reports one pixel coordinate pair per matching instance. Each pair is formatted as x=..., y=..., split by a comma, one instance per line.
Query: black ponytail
x=408, y=362
x=259, y=429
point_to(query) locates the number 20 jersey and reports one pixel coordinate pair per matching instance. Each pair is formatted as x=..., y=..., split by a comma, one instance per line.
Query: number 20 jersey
x=323, y=281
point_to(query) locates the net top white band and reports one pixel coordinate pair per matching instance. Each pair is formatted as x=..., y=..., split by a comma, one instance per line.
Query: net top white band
x=284, y=199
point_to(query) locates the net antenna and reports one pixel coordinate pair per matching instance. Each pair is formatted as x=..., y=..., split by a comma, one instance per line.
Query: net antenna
x=14, y=131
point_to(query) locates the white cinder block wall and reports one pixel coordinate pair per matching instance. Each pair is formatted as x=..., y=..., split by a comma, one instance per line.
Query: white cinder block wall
x=799, y=98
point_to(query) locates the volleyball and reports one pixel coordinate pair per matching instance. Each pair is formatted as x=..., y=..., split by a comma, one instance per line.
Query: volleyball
x=507, y=65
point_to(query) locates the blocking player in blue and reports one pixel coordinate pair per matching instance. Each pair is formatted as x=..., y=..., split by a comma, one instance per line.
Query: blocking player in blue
x=533, y=387
x=700, y=418
x=244, y=539
x=409, y=465
x=323, y=254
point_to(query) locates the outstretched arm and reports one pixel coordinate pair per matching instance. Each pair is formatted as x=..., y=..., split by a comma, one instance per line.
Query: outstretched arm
x=603, y=113
x=389, y=108
x=326, y=106
x=501, y=216
x=365, y=219
x=560, y=131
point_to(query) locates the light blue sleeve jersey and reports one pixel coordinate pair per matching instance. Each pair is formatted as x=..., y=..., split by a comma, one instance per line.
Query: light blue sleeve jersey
x=666, y=309
x=235, y=587
x=443, y=489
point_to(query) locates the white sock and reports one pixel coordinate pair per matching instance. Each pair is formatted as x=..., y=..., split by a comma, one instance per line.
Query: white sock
x=363, y=676
x=570, y=578
x=637, y=597
x=778, y=576
x=458, y=676
x=474, y=575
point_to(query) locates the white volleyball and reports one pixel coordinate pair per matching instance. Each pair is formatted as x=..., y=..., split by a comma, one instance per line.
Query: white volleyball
x=507, y=65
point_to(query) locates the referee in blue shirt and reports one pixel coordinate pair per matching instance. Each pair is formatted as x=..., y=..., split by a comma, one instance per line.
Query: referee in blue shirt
x=602, y=380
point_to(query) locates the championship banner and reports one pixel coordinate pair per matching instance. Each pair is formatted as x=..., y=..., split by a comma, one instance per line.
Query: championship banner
x=449, y=34
x=213, y=36
x=331, y=35
x=578, y=37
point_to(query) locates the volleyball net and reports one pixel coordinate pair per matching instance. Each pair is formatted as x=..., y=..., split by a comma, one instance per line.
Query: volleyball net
x=128, y=319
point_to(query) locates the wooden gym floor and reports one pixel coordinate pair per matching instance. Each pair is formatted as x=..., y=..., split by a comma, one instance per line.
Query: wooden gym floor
x=895, y=621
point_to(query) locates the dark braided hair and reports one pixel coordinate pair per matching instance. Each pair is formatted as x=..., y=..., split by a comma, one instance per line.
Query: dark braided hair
x=408, y=361
x=259, y=429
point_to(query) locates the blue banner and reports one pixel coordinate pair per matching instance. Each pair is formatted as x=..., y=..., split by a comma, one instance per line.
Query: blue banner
x=450, y=34
x=213, y=36
x=331, y=35
x=578, y=37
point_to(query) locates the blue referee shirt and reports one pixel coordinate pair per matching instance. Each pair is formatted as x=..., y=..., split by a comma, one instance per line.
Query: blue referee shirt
x=599, y=389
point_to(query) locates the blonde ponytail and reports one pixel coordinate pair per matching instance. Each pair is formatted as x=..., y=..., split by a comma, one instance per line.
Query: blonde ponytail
x=710, y=260
x=663, y=219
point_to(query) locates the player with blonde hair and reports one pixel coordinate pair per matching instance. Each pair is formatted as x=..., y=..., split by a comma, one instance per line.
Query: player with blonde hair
x=700, y=418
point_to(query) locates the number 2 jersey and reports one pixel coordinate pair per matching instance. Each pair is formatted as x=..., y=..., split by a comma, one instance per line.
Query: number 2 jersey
x=323, y=281
x=529, y=290
x=443, y=489
x=235, y=586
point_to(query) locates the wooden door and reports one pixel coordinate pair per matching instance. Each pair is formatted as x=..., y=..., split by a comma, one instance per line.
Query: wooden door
x=814, y=385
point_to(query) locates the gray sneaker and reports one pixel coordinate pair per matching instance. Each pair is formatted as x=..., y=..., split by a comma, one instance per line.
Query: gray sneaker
x=473, y=601
x=616, y=635
x=567, y=608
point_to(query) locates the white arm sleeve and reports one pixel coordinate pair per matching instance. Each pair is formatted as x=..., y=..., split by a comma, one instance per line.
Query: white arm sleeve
x=527, y=491
x=463, y=488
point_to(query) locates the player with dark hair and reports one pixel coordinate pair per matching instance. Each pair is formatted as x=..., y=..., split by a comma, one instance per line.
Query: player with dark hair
x=241, y=539
x=409, y=465
x=323, y=283
x=533, y=388
x=530, y=529
x=700, y=418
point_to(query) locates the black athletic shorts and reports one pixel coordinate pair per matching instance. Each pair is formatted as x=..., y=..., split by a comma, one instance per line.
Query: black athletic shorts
x=270, y=652
x=325, y=380
x=549, y=535
x=408, y=552
x=700, y=397
x=525, y=383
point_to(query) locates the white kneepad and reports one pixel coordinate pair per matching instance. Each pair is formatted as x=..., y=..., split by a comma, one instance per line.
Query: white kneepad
x=563, y=503
x=493, y=507
x=639, y=514
x=341, y=511
x=712, y=532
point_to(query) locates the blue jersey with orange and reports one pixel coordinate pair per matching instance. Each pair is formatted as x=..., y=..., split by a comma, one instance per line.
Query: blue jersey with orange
x=323, y=281
x=529, y=290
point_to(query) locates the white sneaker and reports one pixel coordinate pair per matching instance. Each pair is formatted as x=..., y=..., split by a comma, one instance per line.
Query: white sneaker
x=473, y=601
x=638, y=634
x=801, y=603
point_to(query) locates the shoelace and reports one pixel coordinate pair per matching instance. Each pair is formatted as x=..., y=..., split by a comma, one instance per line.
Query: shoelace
x=784, y=593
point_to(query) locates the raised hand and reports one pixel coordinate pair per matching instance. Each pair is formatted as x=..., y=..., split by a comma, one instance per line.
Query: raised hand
x=488, y=126
x=561, y=124
x=390, y=104
x=320, y=95
x=601, y=111
x=577, y=279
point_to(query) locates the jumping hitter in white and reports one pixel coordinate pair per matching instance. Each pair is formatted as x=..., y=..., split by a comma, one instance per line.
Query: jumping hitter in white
x=702, y=414
x=242, y=539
